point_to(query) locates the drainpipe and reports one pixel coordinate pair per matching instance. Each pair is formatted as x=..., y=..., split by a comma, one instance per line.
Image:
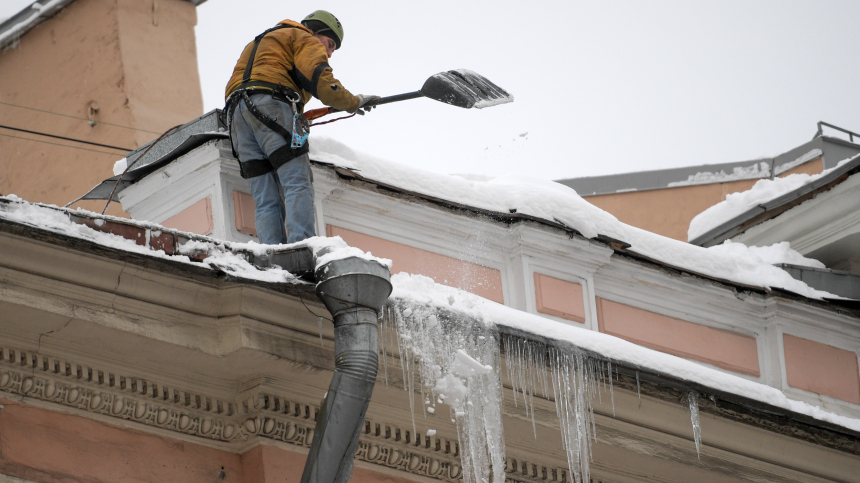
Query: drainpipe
x=353, y=290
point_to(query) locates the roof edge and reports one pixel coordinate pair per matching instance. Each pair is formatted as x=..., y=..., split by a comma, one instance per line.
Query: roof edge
x=38, y=12
x=775, y=207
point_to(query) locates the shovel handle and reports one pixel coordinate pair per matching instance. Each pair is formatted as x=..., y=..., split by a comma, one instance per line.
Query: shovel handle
x=324, y=111
x=397, y=98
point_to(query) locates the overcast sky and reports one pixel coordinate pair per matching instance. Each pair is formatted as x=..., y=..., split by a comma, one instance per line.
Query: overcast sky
x=601, y=87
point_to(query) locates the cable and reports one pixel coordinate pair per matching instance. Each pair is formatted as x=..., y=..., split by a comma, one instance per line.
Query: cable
x=65, y=138
x=78, y=118
x=333, y=120
x=57, y=144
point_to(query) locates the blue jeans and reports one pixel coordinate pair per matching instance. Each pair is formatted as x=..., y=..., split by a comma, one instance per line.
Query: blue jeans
x=285, y=193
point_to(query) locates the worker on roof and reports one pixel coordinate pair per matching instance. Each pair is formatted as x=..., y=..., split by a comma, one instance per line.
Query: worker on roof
x=277, y=73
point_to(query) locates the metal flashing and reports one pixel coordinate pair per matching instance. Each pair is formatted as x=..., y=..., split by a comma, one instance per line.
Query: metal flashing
x=16, y=26
x=165, y=150
x=837, y=282
x=647, y=180
x=833, y=151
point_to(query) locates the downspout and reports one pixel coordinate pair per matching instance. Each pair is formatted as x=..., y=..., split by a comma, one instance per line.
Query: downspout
x=353, y=290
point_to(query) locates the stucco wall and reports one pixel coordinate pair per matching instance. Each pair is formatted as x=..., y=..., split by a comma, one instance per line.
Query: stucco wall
x=137, y=66
x=667, y=211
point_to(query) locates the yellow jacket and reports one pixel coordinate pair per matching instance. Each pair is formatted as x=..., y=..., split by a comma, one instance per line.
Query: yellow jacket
x=290, y=55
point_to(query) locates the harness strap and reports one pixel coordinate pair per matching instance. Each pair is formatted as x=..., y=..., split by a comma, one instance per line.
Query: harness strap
x=259, y=167
x=247, y=76
x=254, y=168
x=263, y=118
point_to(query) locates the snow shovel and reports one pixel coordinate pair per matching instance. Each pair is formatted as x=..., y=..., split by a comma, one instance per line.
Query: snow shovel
x=461, y=88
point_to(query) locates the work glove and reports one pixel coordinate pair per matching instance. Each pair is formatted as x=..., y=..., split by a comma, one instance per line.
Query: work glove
x=363, y=99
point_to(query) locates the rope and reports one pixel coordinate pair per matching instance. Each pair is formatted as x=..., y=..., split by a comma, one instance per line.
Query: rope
x=333, y=120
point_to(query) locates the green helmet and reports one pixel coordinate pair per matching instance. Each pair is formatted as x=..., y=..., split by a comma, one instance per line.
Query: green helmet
x=324, y=23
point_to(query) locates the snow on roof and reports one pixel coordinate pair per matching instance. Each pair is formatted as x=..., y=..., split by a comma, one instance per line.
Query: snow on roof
x=554, y=202
x=424, y=291
x=736, y=204
x=198, y=250
x=758, y=170
x=20, y=23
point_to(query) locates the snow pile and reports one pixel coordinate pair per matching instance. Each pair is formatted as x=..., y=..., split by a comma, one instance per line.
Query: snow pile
x=327, y=249
x=775, y=254
x=553, y=201
x=454, y=335
x=120, y=166
x=736, y=204
x=758, y=170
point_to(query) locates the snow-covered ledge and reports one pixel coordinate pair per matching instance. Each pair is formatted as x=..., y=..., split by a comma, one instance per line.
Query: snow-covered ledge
x=725, y=319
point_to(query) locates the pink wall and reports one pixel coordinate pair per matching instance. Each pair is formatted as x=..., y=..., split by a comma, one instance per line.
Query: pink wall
x=197, y=218
x=243, y=209
x=721, y=348
x=822, y=369
x=42, y=445
x=275, y=465
x=479, y=280
x=559, y=298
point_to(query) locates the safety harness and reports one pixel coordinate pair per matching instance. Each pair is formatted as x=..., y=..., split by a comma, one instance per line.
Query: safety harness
x=297, y=139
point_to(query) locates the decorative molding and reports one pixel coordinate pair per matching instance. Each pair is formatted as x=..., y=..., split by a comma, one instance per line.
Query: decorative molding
x=79, y=386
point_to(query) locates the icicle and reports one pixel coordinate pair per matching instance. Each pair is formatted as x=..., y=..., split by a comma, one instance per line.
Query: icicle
x=383, y=329
x=575, y=381
x=693, y=401
x=526, y=368
x=319, y=324
x=638, y=394
x=458, y=360
x=611, y=393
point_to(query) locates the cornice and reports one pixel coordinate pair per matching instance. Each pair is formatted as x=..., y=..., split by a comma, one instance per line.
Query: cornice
x=31, y=375
x=234, y=425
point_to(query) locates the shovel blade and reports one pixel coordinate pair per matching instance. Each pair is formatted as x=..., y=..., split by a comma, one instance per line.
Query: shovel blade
x=464, y=88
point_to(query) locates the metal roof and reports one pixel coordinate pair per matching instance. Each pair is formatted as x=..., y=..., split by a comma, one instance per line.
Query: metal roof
x=16, y=26
x=833, y=150
x=777, y=206
x=839, y=282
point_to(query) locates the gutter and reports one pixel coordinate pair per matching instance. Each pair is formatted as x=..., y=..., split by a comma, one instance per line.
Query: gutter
x=838, y=282
x=672, y=389
x=353, y=290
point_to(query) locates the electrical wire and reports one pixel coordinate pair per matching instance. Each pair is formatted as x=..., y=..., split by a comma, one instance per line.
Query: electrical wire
x=64, y=138
x=57, y=144
x=79, y=118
